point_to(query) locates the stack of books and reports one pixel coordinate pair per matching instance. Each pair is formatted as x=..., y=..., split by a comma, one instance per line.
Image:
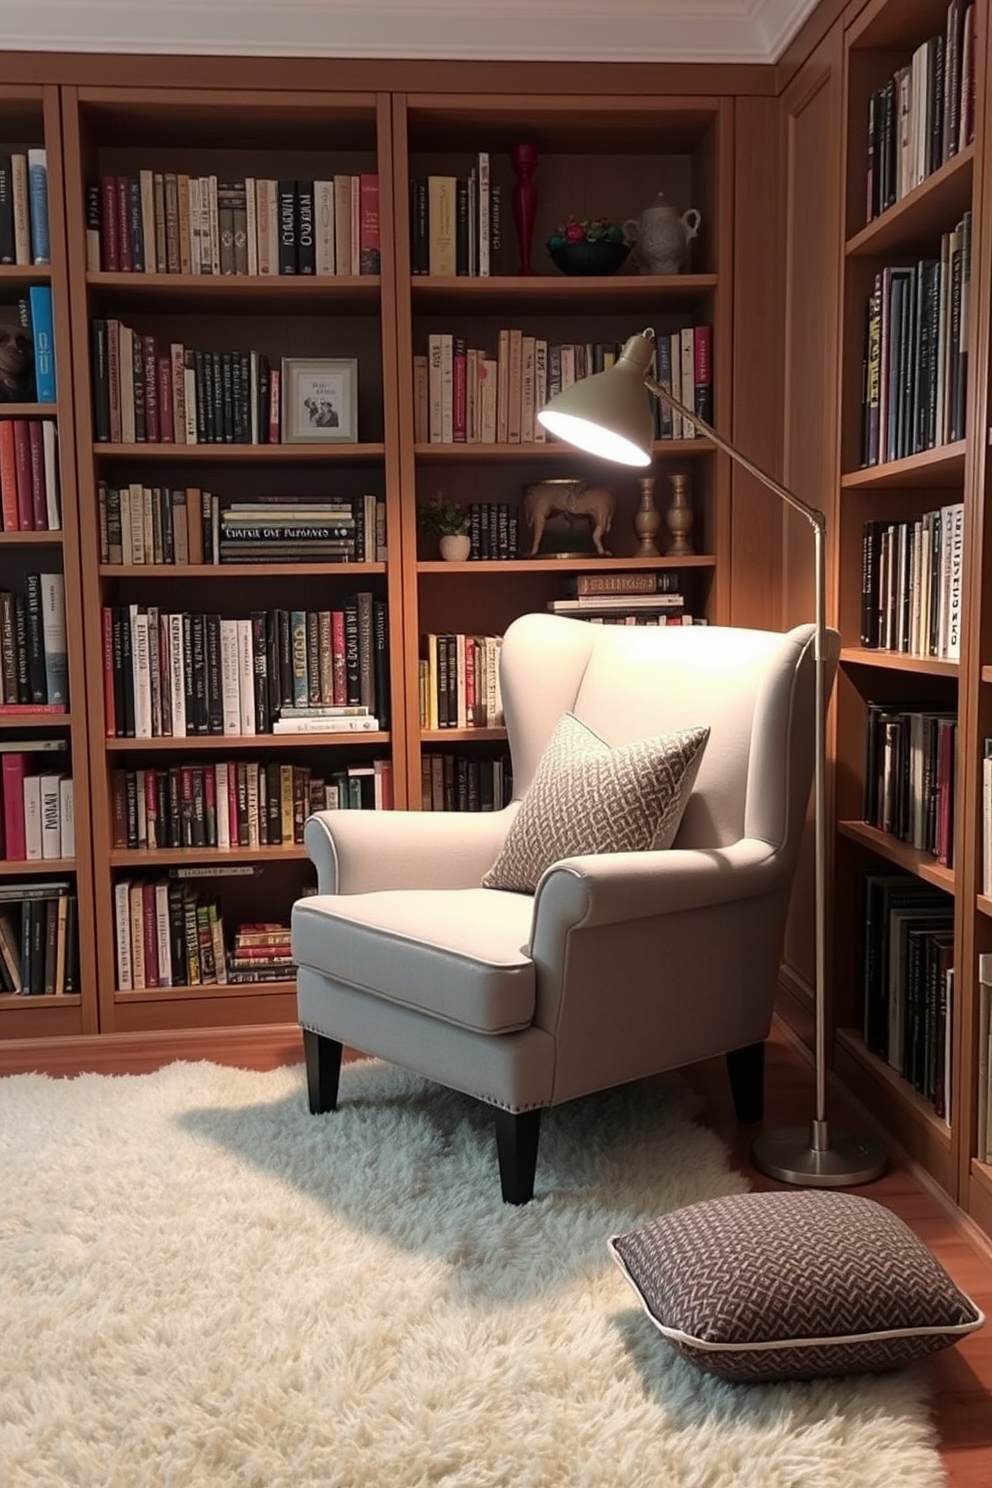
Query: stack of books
x=261, y=953
x=326, y=719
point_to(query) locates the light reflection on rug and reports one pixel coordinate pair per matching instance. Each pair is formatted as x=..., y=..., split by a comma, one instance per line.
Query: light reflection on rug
x=203, y=1286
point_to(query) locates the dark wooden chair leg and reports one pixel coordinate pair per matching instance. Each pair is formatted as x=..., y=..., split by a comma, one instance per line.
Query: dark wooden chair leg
x=323, y=1061
x=517, y=1136
x=746, y=1069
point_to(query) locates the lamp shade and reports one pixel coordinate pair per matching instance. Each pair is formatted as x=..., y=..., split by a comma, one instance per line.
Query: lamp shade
x=610, y=413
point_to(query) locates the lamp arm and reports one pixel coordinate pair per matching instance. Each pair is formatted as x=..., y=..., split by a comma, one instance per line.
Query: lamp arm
x=815, y=518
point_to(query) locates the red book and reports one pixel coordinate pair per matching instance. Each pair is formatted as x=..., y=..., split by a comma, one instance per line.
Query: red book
x=275, y=430
x=166, y=423
x=8, y=478
x=110, y=260
x=210, y=801
x=459, y=390
x=369, y=256
x=24, y=710
x=22, y=460
x=14, y=768
x=151, y=808
x=338, y=669
x=232, y=806
x=123, y=203
x=109, y=711
x=39, y=503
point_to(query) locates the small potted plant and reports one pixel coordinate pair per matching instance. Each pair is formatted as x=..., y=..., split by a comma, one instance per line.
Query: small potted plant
x=588, y=245
x=447, y=522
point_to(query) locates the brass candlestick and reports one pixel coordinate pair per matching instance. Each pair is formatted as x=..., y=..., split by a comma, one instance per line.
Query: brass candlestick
x=679, y=519
x=647, y=519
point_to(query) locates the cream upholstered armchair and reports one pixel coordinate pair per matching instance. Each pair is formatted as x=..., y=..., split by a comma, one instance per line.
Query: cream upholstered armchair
x=621, y=964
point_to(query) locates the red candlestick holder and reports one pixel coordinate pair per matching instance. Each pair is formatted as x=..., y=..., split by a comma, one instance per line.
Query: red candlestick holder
x=523, y=158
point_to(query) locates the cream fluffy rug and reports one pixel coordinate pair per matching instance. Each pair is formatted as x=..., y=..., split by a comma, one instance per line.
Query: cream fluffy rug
x=203, y=1286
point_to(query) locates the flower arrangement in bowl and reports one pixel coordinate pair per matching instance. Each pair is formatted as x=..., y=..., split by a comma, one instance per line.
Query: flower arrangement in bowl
x=588, y=245
x=447, y=522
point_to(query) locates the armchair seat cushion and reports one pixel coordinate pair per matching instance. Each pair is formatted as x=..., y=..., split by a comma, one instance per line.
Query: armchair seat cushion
x=460, y=955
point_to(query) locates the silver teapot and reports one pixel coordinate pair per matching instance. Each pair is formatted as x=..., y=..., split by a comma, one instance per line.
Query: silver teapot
x=661, y=238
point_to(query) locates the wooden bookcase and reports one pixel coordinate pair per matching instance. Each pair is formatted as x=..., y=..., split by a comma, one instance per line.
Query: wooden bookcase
x=30, y=117
x=597, y=156
x=272, y=134
x=881, y=37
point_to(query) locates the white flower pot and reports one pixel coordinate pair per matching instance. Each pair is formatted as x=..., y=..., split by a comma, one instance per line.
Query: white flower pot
x=456, y=547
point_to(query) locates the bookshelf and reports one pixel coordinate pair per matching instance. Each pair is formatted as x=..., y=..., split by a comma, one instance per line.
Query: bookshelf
x=899, y=461
x=596, y=156
x=182, y=134
x=47, y=541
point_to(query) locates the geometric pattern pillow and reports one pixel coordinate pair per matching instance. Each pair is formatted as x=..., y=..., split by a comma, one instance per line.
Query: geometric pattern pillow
x=774, y=1286
x=588, y=797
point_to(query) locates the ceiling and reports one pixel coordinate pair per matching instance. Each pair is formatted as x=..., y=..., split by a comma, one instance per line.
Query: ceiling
x=536, y=30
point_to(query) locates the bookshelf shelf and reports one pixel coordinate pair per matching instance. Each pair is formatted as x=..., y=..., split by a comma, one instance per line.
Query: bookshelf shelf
x=561, y=565
x=12, y=276
x=238, y=570
x=36, y=867
x=462, y=736
x=35, y=721
x=41, y=539
x=930, y=468
x=241, y=454
x=346, y=294
x=267, y=742
x=28, y=410
x=285, y=988
x=485, y=454
x=550, y=293
x=162, y=857
x=946, y=193
x=898, y=661
x=11, y=1003
x=922, y=864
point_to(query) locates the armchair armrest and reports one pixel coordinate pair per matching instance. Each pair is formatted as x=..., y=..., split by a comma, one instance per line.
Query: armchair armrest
x=356, y=852
x=606, y=888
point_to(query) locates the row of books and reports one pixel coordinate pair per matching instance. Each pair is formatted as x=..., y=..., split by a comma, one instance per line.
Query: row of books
x=32, y=378
x=983, y=1149
x=493, y=529
x=908, y=783
x=146, y=525
x=925, y=113
x=167, y=222
x=24, y=226
x=167, y=934
x=907, y=964
x=916, y=352
x=187, y=673
x=144, y=393
x=464, y=782
x=236, y=802
x=34, y=660
x=36, y=803
x=664, y=608
x=39, y=944
x=29, y=476
x=911, y=578
x=459, y=681
x=456, y=223
x=467, y=395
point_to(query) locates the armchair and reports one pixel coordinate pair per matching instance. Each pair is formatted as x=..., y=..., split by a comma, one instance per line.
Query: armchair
x=620, y=965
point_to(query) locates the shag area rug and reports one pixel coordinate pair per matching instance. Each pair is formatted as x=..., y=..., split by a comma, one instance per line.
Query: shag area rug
x=203, y=1286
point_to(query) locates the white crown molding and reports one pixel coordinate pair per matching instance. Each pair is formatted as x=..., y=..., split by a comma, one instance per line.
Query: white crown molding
x=510, y=30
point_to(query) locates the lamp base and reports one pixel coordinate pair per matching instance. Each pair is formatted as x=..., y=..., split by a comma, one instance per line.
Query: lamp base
x=838, y=1160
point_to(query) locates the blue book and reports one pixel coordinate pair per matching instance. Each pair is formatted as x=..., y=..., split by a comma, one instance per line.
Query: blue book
x=43, y=333
x=38, y=206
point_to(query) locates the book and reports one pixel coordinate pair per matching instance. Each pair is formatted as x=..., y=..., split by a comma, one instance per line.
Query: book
x=43, y=335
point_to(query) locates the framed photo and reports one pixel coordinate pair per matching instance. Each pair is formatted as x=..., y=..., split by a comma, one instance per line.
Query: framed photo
x=319, y=400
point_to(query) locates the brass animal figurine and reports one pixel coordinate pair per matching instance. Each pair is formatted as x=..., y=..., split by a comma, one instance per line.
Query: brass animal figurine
x=572, y=498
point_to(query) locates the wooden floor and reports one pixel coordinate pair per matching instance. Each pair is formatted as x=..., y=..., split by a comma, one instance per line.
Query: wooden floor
x=963, y=1374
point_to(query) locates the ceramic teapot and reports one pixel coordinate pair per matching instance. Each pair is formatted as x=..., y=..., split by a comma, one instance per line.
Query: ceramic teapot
x=661, y=238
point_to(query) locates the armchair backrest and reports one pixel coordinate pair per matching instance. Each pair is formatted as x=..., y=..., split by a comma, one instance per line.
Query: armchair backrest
x=754, y=688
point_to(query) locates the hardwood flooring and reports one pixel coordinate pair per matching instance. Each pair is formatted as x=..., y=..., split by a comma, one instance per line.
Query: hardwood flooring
x=962, y=1375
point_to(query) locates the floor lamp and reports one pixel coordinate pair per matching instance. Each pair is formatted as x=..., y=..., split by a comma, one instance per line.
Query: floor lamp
x=608, y=415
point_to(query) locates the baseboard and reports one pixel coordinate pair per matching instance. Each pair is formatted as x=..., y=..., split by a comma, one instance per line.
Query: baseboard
x=264, y=1046
x=794, y=1006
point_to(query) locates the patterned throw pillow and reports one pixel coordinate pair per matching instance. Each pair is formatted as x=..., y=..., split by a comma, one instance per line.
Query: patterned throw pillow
x=774, y=1286
x=587, y=797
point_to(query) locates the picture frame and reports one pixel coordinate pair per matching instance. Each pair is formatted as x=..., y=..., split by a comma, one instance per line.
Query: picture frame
x=319, y=400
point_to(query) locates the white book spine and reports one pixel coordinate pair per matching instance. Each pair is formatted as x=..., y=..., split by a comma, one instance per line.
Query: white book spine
x=142, y=673
x=50, y=446
x=122, y=928
x=177, y=676
x=54, y=639
x=136, y=906
x=223, y=804
x=146, y=180
x=323, y=210
x=162, y=935
x=67, y=817
x=51, y=832
x=32, y=818
x=365, y=725
x=251, y=224
x=230, y=677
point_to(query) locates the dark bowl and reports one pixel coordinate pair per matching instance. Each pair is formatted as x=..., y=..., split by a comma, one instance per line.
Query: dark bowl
x=589, y=258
